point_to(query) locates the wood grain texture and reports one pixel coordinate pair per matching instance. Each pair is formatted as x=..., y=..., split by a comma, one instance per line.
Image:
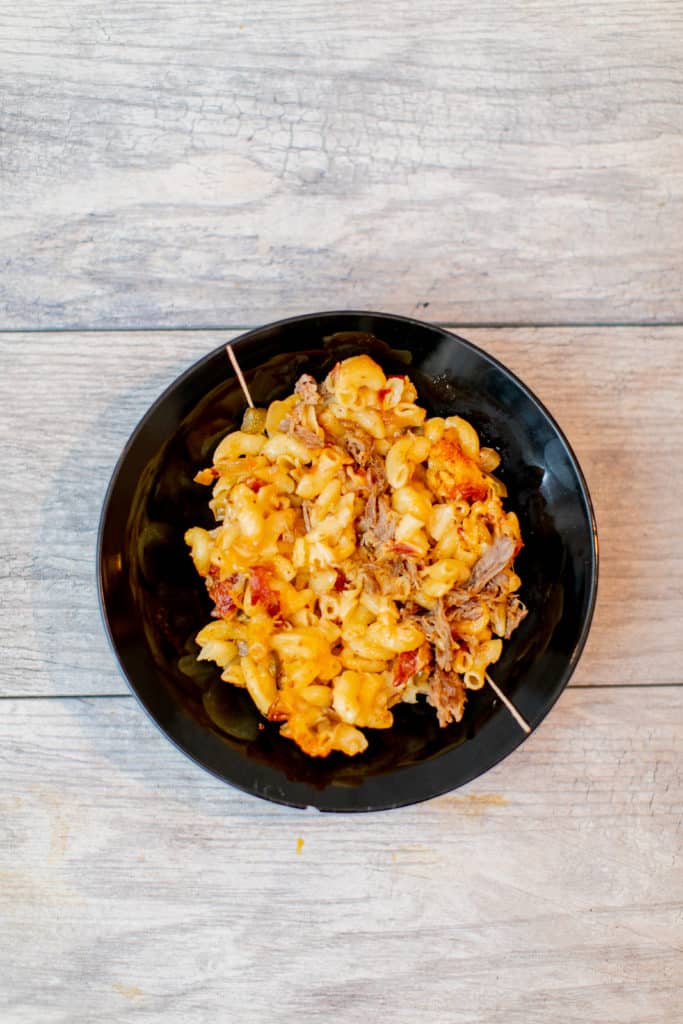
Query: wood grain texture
x=166, y=165
x=136, y=887
x=69, y=402
x=198, y=164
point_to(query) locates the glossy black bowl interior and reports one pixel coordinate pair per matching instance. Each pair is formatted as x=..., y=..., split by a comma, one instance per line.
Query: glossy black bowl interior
x=154, y=603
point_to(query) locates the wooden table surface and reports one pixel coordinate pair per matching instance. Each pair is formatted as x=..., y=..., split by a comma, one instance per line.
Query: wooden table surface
x=514, y=170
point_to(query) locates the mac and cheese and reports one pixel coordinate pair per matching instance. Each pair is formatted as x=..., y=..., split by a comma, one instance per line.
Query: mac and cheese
x=362, y=557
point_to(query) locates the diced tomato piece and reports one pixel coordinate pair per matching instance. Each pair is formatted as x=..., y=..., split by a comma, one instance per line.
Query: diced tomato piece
x=406, y=666
x=403, y=549
x=275, y=715
x=261, y=591
x=340, y=581
x=471, y=492
x=222, y=593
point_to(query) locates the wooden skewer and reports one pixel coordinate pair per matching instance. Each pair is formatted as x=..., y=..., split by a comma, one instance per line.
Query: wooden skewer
x=520, y=719
x=240, y=375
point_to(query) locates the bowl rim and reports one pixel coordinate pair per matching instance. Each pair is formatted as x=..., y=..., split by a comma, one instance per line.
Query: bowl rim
x=444, y=332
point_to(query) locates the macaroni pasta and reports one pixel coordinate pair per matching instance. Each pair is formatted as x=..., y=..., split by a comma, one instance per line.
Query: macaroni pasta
x=362, y=557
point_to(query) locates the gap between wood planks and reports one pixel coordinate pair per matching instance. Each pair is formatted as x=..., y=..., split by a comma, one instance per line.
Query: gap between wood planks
x=450, y=325
x=130, y=696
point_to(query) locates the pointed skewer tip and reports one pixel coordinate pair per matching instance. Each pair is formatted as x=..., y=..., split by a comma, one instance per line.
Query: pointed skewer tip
x=519, y=718
x=240, y=376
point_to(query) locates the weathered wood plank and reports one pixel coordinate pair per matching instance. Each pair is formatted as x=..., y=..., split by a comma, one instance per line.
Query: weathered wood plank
x=69, y=402
x=171, y=164
x=136, y=887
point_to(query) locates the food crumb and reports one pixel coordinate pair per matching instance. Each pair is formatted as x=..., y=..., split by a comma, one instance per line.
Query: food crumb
x=128, y=991
x=299, y=845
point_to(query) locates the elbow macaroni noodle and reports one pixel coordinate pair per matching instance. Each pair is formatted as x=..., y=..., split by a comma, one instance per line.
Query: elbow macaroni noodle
x=362, y=557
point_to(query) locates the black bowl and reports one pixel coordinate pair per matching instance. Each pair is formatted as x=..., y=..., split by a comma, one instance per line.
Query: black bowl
x=153, y=602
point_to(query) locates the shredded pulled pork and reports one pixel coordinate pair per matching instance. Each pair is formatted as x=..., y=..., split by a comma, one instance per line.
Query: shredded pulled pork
x=302, y=424
x=368, y=520
x=307, y=388
x=377, y=477
x=493, y=561
x=516, y=611
x=437, y=630
x=371, y=578
x=358, y=444
x=378, y=522
x=381, y=578
x=406, y=568
x=468, y=612
x=454, y=600
x=496, y=586
x=447, y=695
